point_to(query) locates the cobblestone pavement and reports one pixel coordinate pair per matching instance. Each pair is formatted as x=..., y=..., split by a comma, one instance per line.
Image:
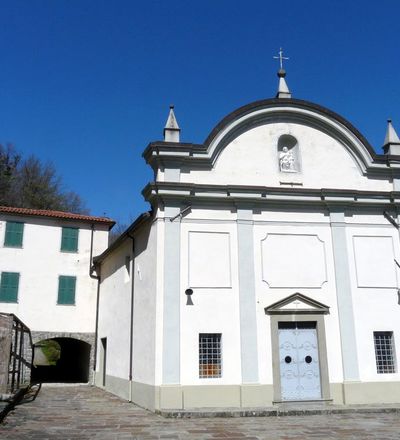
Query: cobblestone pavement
x=84, y=412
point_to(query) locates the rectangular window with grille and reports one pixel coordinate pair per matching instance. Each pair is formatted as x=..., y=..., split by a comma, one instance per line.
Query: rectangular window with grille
x=66, y=290
x=384, y=352
x=210, y=359
x=69, y=239
x=9, y=287
x=14, y=234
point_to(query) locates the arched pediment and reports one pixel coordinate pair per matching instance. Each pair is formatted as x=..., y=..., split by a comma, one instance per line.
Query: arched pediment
x=295, y=111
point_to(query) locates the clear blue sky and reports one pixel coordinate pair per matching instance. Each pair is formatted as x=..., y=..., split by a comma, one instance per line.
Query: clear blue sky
x=87, y=84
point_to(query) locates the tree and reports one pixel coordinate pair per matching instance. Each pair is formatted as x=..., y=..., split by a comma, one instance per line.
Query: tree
x=51, y=350
x=9, y=161
x=29, y=183
x=116, y=231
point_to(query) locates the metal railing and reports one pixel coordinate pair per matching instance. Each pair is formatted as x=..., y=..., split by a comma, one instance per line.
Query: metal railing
x=21, y=355
x=20, y=361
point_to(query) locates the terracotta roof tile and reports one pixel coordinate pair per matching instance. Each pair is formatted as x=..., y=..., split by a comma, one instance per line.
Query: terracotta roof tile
x=56, y=214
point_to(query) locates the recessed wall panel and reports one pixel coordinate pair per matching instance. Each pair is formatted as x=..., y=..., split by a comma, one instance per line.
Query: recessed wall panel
x=293, y=261
x=374, y=259
x=209, y=259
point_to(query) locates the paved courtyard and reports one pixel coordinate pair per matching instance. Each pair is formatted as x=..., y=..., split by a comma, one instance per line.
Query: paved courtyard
x=84, y=412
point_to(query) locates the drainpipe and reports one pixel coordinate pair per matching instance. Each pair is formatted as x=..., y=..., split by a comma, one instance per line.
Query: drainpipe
x=95, y=277
x=132, y=311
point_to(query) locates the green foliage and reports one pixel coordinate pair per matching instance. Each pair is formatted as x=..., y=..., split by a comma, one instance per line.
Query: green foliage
x=29, y=183
x=52, y=350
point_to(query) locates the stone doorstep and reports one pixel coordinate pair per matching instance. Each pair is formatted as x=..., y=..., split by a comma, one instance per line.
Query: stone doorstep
x=65, y=384
x=283, y=411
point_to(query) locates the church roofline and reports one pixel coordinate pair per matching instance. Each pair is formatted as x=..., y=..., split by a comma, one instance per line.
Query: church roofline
x=204, y=155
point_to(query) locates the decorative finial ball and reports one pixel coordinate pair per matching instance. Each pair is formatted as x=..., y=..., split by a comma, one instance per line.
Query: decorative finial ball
x=171, y=106
x=281, y=73
x=389, y=120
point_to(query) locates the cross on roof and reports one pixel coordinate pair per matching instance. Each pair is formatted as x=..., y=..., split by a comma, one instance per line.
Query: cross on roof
x=281, y=57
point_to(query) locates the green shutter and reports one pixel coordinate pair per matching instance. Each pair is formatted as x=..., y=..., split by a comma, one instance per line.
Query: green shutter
x=9, y=286
x=66, y=289
x=14, y=234
x=69, y=239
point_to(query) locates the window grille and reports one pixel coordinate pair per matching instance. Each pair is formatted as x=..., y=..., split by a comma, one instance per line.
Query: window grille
x=210, y=355
x=384, y=352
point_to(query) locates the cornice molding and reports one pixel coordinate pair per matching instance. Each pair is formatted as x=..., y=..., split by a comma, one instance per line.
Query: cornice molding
x=165, y=192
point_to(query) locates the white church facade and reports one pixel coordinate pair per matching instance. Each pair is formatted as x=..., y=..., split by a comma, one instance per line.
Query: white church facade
x=267, y=270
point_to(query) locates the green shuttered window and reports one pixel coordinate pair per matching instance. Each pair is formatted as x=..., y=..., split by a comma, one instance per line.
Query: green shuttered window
x=69, y=239
x=14, y=234
x=9, y=286
x=66, y=290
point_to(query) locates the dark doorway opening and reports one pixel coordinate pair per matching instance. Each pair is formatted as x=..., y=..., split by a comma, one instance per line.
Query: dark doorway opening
x=71, y=364
x=104, y=360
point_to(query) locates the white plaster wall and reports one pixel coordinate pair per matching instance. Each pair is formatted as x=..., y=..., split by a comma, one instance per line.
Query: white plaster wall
x=215, y=310
x=40, y=262
x=252, y=159
x=207, y=215
x=368, y=220
x=144, y=331
x=289, y=216
x=326, y=294
x=114, y=311
x=375, y=308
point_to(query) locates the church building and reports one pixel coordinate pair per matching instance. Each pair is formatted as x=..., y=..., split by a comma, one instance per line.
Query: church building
x=266, y=271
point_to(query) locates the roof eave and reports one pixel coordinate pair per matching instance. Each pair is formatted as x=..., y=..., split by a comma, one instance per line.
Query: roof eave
x=71, y=217
x=126, y=234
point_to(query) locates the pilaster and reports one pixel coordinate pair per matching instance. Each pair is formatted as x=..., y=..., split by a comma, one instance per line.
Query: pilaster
x=247, y=298
x=171, y=320
x=344, y=298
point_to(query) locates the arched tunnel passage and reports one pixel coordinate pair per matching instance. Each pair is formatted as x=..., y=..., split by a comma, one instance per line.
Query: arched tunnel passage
x=61, y=360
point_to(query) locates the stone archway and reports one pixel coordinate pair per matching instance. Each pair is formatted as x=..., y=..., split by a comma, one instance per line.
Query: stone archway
x=62, y=357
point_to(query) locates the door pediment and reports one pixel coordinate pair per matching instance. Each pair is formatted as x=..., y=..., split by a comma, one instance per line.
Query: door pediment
x=296, y=303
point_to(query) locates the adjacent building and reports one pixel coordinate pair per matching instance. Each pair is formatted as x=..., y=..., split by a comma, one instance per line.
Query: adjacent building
x=45, y=280
x=267, y=270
